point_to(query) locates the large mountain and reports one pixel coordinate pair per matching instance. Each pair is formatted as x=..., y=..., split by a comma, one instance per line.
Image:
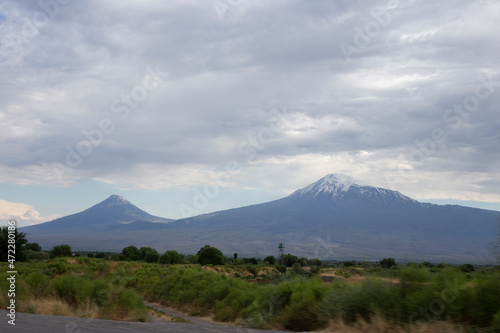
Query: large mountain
x=332, y=218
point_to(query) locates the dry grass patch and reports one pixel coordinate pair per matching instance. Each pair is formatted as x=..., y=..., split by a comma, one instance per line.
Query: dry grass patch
x=57, y=307
x=379, y=325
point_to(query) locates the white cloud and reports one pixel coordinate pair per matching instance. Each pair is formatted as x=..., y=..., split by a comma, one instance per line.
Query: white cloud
x=24, y=214
x=226, y=74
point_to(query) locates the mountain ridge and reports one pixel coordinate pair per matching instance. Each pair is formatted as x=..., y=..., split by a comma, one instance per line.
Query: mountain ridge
x=339, y=186
x=364, y=222
x=115, y=210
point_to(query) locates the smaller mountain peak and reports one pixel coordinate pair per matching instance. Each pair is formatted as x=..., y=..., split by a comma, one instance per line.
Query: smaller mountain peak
x=116, y=200
x=117, y=197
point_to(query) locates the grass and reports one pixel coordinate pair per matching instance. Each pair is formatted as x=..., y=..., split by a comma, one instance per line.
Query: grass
x=409, y=299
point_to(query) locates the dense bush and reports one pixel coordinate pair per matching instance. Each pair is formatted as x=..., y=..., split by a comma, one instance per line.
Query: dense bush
x=132, y=253
x=37, y=255
x=281, y=268
x=209, y=255
x=271, y=260
x=291, y=301
x=171, y=257
x=289, y=260
x=63, y=250
x=33, y=247
x=387, y=262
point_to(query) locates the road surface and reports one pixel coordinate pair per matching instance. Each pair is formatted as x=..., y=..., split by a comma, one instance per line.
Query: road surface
x=33, y=323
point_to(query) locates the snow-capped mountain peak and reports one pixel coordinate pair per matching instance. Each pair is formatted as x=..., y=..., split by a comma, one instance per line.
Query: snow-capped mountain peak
x=341, y=187
x=116, y=200
x=333, y=184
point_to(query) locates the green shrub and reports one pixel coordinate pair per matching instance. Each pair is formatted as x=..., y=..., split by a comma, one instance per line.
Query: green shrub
x=252, y=270
x=128, y=299
x=56, y=267
x=387, y=262
x=72, y=289
x=63, y=250
x=354, y=301
x=349, y=263
x=271, y=260
x=37, y=255
x=281, y=268
x=343, y=272
x=171, y=257
x=38, y=283
x=210, y=255
x=302, y=312
x=495, y=324
x=467, y=268
x=132, y=253
x=483, y=303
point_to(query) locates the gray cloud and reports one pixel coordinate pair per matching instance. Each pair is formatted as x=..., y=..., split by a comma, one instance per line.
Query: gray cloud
x=228, y=72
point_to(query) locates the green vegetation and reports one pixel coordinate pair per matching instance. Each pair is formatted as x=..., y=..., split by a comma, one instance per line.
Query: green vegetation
x=171, y=257
x=63, y=250
x=390, y=262
x=19, y=243
x=257, y=294
x=77, y=288
x=209, y=255
x=33, y=247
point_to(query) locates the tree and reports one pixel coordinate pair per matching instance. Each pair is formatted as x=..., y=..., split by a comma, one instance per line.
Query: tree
x=171, y=257
x=192, y=259
x=281, y=268
x=33, y=247
x=149, y=254
x=289, y=260
x=349, y=263
x=63, y=250
x=132, y=253
x=271, y=260
x=37, y=255
x=210, y=255
x=238, y=261
x=387, y=262
x=20, y=240
x=235, y=255
x=251, y=261
x=315, y=262
x=302, y=262
x=467, y=268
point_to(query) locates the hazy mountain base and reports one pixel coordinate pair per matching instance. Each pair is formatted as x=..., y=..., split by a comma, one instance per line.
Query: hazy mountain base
x=324, y=248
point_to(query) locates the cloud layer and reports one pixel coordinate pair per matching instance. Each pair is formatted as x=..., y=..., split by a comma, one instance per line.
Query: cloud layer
x=22, y=213
x=154, y=95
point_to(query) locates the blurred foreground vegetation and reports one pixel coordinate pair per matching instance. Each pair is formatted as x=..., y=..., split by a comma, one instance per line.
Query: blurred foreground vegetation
x=261, y=295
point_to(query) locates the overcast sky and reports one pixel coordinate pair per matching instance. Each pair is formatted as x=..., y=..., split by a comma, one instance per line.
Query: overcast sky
x=188, y=107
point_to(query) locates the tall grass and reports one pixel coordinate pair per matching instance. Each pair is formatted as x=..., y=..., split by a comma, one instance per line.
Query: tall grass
x=419, y=298
x=61, y=288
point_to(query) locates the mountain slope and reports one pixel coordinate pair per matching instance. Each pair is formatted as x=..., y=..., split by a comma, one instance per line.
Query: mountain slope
x=113, y=212
x=361, y=221
x=333, y=218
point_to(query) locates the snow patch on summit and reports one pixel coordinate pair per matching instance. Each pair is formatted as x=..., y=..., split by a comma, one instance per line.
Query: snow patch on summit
x=117, y=200
x=334, y=184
